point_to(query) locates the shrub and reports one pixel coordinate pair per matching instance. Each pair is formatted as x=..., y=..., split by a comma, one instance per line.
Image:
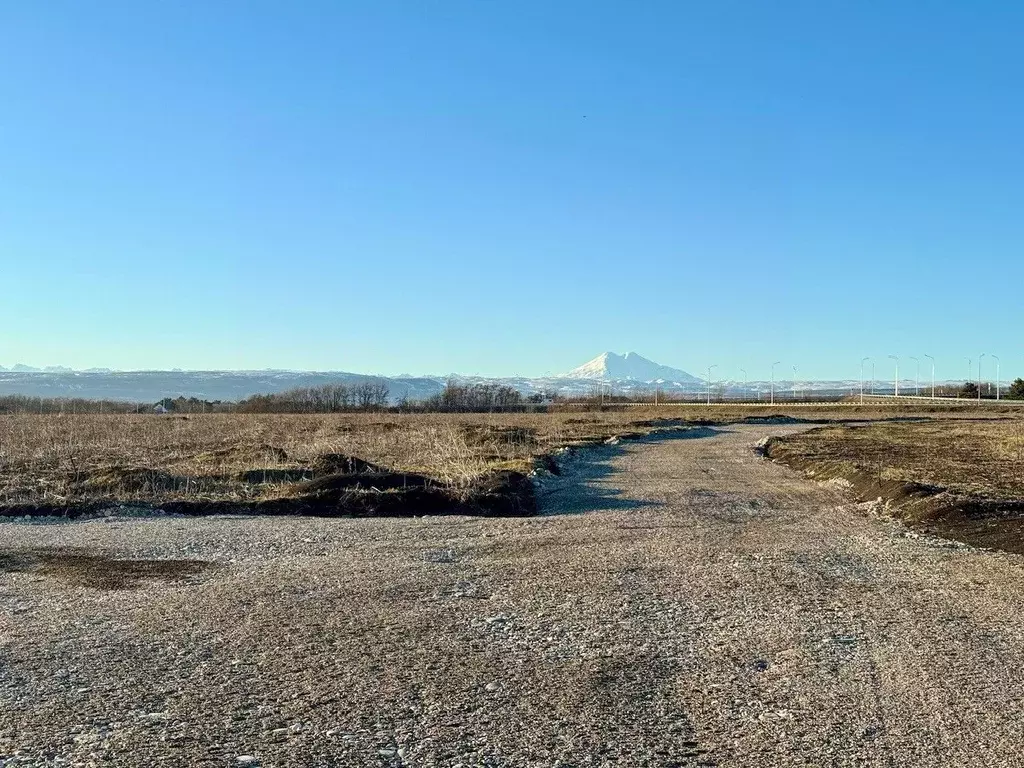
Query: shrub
x=1016, y=390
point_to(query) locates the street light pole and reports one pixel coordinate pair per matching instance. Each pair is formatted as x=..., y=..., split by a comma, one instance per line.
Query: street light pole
x=709, y=382
x=896, y=381
x=933, y=374
x=979, y=376
x=744, y=372
x=862, y=361
x=794, y=382
x=997, y=376
x=917, y=389
x=773, y=380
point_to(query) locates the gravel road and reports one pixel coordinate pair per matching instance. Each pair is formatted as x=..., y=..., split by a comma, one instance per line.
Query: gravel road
x=681, y=603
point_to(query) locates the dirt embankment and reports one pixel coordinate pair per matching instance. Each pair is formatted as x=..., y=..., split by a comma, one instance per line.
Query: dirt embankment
x=982, y=516
x=350, y=487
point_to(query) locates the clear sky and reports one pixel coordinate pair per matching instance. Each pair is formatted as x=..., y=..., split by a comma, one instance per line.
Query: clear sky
x=511, y=187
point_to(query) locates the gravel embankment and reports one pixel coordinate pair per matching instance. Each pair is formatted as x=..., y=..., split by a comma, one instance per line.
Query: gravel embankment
x=709, y=608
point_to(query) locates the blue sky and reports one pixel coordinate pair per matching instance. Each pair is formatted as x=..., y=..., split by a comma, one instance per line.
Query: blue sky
x=510, y=187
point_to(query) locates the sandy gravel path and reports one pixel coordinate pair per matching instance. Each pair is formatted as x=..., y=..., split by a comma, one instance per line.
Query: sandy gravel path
x=682, y=603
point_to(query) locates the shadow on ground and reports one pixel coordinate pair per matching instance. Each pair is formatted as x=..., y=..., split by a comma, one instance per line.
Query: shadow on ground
x=585, y=486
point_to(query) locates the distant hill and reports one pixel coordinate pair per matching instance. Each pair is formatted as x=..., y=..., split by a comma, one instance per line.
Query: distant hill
x=152, y=386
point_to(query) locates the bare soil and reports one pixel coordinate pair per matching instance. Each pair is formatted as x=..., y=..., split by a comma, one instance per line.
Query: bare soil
x=962, y=480
x=82, y=568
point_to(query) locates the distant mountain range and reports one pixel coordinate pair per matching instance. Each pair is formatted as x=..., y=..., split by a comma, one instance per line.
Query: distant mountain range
x=152, y=386
x=21, y=368
x=624, y=374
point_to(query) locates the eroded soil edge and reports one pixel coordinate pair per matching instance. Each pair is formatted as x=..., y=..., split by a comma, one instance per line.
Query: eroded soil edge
x=975, y=519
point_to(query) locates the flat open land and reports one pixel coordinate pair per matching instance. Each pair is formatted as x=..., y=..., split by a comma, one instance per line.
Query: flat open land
x=62, y=463
x=681, y=602
x=963, y=479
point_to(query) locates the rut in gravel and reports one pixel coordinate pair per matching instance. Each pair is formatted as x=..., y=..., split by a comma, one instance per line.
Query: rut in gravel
x=681, y=602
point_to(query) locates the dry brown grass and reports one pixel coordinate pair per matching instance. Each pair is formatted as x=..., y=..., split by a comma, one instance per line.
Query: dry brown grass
x=69, y=459
x=64, y=460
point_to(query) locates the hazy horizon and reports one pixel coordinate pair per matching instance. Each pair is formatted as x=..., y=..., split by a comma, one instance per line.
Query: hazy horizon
x=783, y=372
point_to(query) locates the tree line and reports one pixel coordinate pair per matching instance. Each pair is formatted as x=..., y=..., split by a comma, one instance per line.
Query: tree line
x=969, y=390
x=373, y=396
x=328, y=398
x=55, y=405
x=477, y=398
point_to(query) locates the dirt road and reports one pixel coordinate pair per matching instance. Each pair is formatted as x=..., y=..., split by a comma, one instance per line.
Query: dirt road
x=682, y=603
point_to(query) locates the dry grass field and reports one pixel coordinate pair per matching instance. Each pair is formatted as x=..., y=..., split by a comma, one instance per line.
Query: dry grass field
x=70, y=459
x=67, y=460
x=62, y=460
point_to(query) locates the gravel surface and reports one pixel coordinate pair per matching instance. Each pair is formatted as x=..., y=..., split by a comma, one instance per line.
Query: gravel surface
x=681, y=603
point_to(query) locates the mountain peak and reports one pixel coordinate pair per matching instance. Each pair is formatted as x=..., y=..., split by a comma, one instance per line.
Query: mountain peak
x=631, y=366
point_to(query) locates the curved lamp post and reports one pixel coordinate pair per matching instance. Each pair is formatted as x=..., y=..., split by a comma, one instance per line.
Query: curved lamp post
x=979, y=375
x=862, y=361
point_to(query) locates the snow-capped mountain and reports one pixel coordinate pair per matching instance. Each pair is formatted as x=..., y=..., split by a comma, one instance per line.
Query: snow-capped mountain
x=629, y=367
